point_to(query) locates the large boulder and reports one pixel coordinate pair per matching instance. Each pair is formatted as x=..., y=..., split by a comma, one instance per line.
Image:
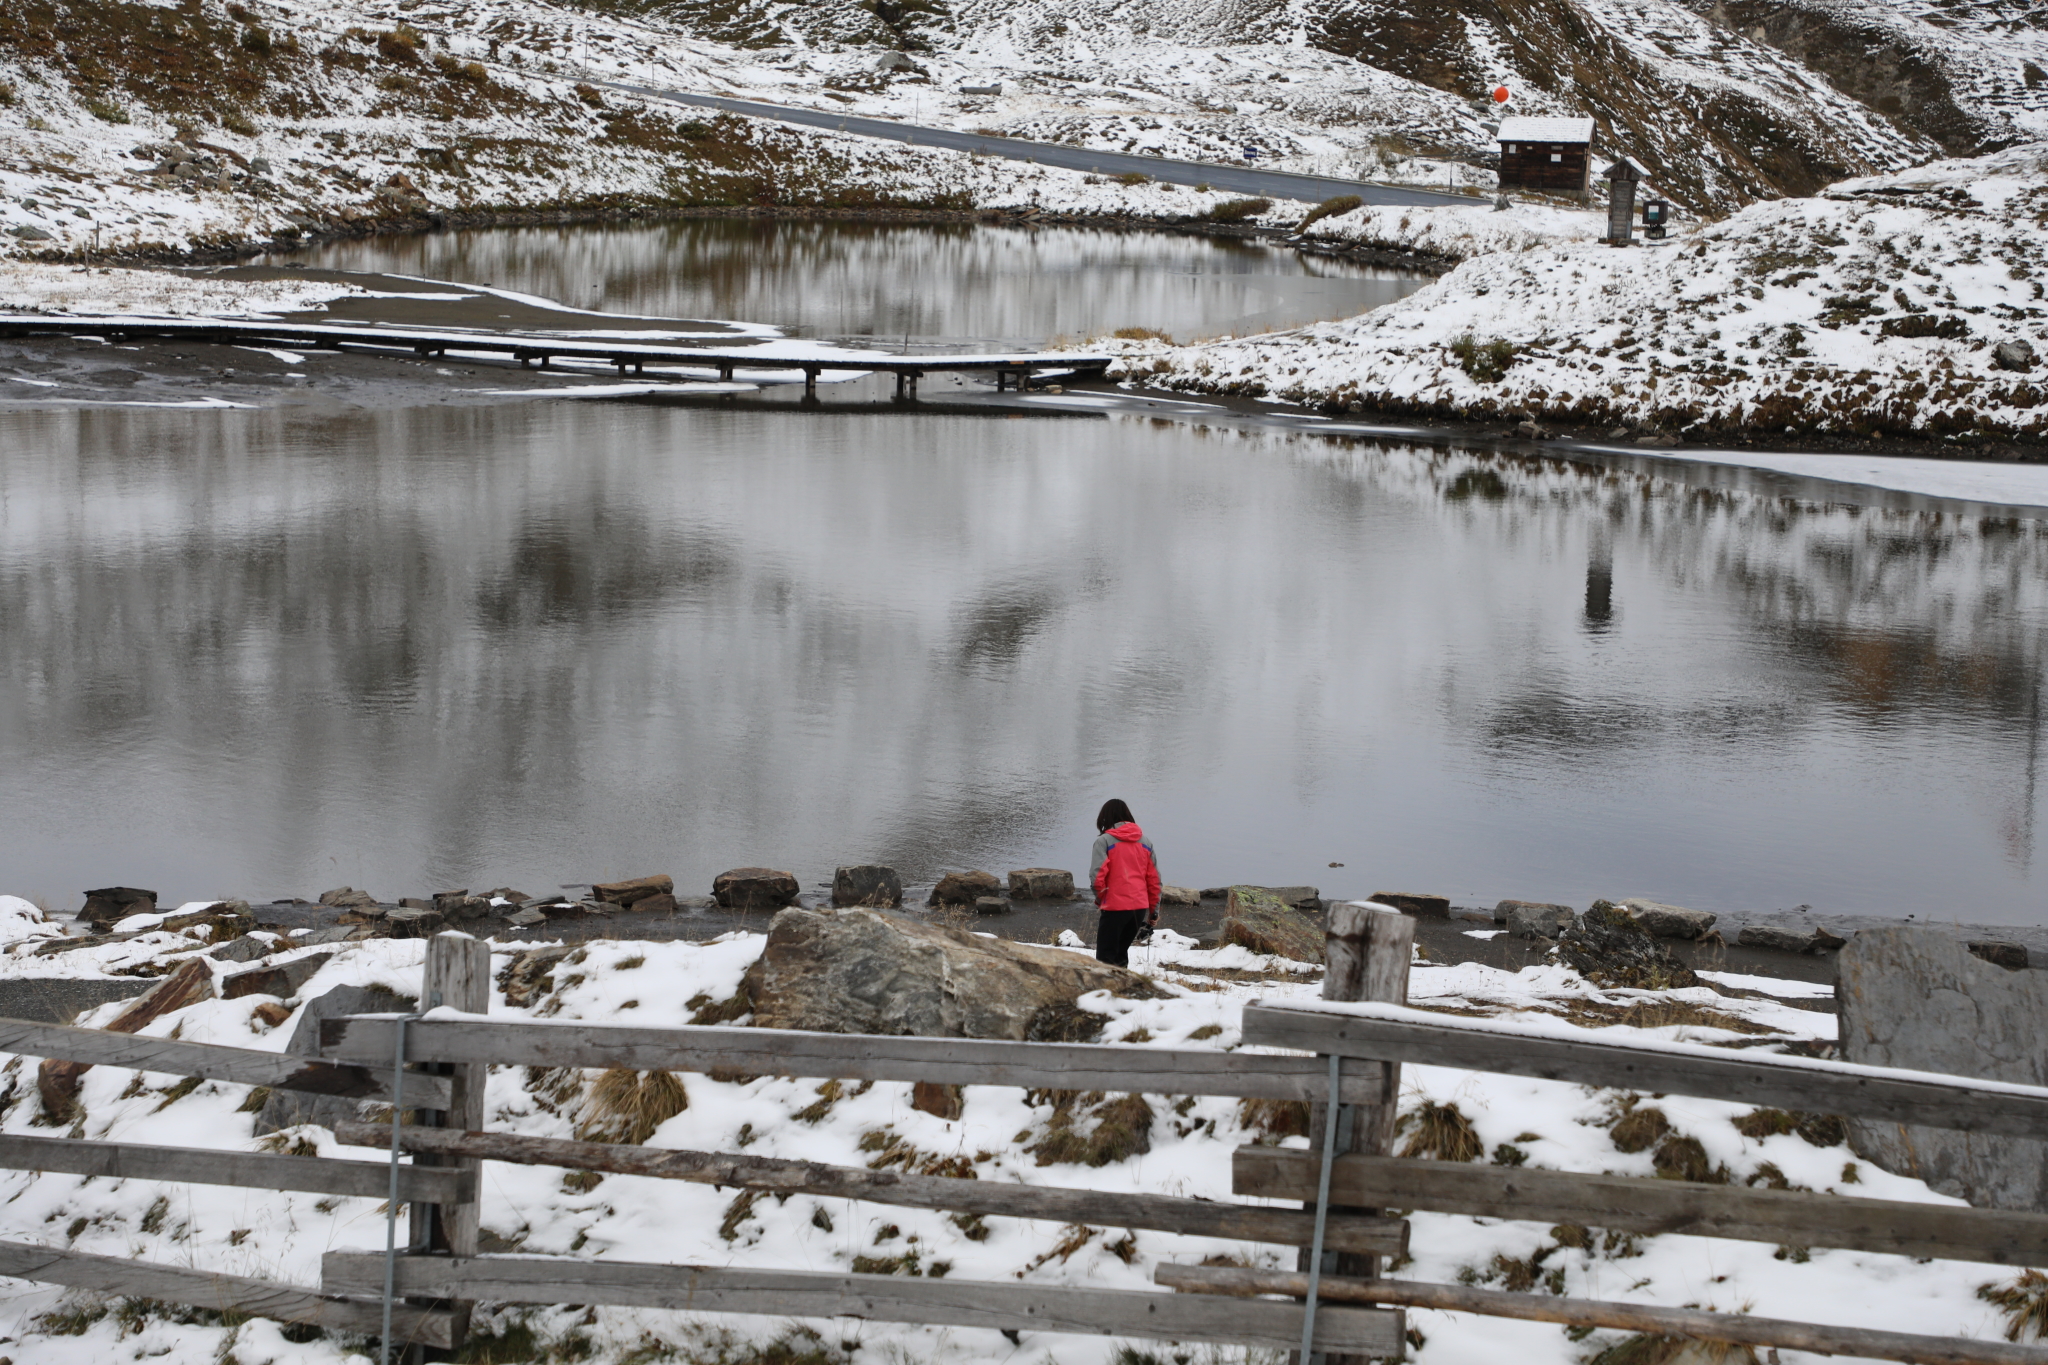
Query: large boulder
x=754, y=888
x=1669, y=921
x=1255, y=918
x=288, y=1108
x=1609, y=948
x=1041, y=884
x=348, y=898
x=1916, y=998
x=111, y=904
x=868, y=884
x=1424, y=903
x=964, y=888
x=632, y=893
x=1532, y=919
x=863, y=971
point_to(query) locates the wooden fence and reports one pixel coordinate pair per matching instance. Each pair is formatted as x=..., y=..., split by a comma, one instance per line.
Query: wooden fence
x=1359, y=1036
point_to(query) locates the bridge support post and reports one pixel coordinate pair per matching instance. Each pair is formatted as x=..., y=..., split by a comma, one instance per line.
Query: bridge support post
x=810, y=383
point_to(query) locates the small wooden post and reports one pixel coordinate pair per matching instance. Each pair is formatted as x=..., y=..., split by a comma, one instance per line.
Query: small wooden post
x=1367, y=950
x=458, y=976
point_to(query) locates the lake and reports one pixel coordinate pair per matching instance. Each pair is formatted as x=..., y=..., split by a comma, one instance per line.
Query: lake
x=262, y=653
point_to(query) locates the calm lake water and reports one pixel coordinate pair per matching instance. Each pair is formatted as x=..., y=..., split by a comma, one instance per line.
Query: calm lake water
x=263, y=653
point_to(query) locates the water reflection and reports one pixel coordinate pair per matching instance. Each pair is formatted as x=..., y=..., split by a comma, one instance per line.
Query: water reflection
x=266, y=652
x=959, y=283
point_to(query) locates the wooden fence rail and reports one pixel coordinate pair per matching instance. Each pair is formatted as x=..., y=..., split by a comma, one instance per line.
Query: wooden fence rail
x=1394, y=1033
x=845, y=1056
x=251, y=1170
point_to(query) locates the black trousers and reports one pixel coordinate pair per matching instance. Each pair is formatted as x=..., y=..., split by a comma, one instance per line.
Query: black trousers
x=1114, y=930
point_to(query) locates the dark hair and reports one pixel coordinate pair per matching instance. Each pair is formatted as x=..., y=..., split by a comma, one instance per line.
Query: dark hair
x=1112, y=814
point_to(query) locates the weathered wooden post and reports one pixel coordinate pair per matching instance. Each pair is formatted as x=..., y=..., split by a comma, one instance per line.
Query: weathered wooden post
x=458, y=976
x=1367, y=950
x=1622, y=179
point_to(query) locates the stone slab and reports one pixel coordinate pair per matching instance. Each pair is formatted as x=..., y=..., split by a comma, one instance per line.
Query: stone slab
x=59, y=1000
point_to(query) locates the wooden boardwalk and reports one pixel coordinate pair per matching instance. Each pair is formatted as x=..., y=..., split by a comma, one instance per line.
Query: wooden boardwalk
x=1008, y=367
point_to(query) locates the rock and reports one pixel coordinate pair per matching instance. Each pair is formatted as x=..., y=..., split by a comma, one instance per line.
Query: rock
x=937, y=1099
x=696, y=903
x=868, y=884
x=991, y=905
x=1504, y=908
x=529, y=976
x=415, y=903
x=282, y=981
x=1531, y=431
x=634, y=891
x=190, y=982
x=506, y=893
x=754, y=888
x=1607, y=947
x=1415, y=903
x=348, y=898
x=2013, y=355
x=1215, y=893
x=2011, y=956
x=1259, y=920
x=338, y=933
x=289, y=1108
x=409, y=922
x=61, y=999
x=863, y=971
x=1306, y=898
x=1041, y=884
x=30, y=233
x=1179, y=895
x=223, y=920
x=111, y=904
x=522, y=918
x=247, y=948
x=964, y=888
x=1916, y=998
x=1527, y=919
x=1669, y=921
x=1806, y=940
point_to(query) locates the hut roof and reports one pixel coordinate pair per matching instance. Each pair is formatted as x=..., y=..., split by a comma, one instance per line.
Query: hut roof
x=1545, y=130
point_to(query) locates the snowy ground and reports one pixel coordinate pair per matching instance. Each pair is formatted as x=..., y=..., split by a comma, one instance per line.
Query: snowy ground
x=537, y=1210
x=1874, y=308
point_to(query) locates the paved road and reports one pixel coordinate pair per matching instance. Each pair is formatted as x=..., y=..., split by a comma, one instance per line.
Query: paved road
x=1234, y=179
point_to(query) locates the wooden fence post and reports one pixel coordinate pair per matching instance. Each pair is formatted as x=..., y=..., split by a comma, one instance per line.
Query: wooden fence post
x=458, y=976
x=1367, y=950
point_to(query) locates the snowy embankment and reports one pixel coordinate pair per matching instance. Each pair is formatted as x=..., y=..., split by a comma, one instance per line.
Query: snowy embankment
x=1909, y=303
x=1152, y=1143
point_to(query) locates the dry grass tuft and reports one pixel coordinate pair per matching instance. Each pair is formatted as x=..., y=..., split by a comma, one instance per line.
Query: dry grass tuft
x=1820, y=1130
x=1141, y=334
x=709, y=1011
x=627, y=1106
x=1094, y=1130
x=1663, y=1350
x=1441, y=1132
x=1274, y=1119
x=2024, y=1301
x=1638, y=1130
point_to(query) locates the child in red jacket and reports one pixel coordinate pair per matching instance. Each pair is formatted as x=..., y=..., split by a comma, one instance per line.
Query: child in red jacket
x=1125, y=874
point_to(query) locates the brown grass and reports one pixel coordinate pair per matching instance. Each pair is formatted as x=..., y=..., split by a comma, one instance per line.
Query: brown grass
x=1638, y=1130
x=1441, y=1132
x=1819, y=1130
x=1657, y=1350
x=627, y=1106
x=2024, y=1301
x=1274, y=1119
x=1095, y=1130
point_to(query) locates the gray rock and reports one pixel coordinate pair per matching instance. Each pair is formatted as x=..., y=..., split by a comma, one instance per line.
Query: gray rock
x=532, y=974
x=1526, y=919
x=696, y=902
x=1917, y=998
x=337, y=933
x=287, y=1108
x=868, y=884
x=1256, y=918
x=1805, y=939
x=412, y=922
x=1415, y=903
x=60, y=999
x=282, y=980
x=1505, y=908
x=2013, y=355
x=1179, y=895
x=864, y=971
x=964, y=888
x=348, y=898
x=1669, y=921
x=247, y=948
x=1041, y=884
x=991, y=905
x=522, y=918
x=112, y=904
x=754, y=888
x=28, y=233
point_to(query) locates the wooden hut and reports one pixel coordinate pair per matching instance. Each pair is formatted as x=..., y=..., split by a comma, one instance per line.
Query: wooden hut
x=1554, y=154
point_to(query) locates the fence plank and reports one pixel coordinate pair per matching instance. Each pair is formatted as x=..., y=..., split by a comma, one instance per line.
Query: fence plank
x=1395, y=1034
x=848, y=1056
x=209, y=1061
x=1739, y=1328
x=251, y=1170
x=878, y=1298
x=1792, y=1217
x=1157, y=1213
x=223, y=1293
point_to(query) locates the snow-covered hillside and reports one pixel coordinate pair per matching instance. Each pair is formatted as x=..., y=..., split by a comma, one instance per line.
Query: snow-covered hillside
x=1149, y=1143
x=1909, y=303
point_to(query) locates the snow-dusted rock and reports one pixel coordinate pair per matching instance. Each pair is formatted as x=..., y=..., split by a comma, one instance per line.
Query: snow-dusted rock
x=1259, y=918
x=1608, y=946
x=1669, y=921
x=1528, y=919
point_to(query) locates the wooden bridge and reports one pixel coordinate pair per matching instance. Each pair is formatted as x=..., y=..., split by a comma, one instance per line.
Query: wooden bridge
x=1016, y=367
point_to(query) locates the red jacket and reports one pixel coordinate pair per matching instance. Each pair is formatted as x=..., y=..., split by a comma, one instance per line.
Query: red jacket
x=1126, y=872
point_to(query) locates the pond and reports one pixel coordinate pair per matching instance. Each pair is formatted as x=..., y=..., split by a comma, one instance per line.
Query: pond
x=262, y=653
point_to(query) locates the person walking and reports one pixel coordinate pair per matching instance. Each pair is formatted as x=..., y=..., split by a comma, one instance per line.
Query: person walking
x=1125, y=873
